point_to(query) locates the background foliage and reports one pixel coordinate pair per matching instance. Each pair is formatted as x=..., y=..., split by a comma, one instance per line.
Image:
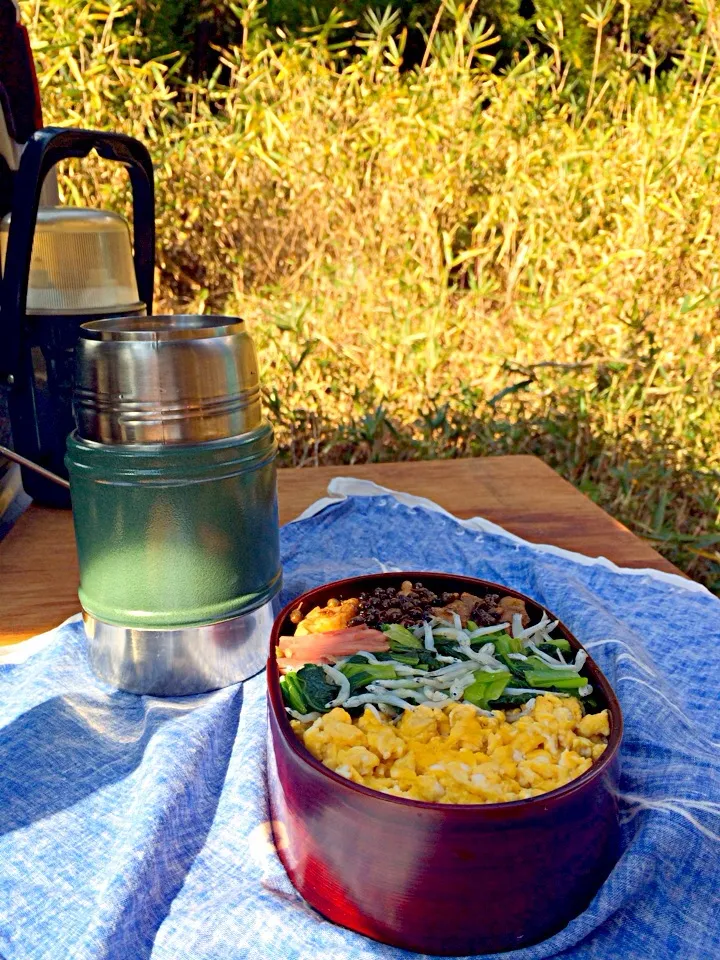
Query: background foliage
x=192, y=26
x=503, y=243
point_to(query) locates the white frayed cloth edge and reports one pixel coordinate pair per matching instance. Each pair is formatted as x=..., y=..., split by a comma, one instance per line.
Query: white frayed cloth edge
x=340, y=488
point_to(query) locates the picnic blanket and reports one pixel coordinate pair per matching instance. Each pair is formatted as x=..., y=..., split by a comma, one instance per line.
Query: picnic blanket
x=137, y=827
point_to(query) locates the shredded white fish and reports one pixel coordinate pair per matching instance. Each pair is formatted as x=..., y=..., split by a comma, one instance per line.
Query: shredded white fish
x=452, y=633
x=403, y=670
x=486, y=631
x=472, y=654
x=534, y=627
x=457, y=667
x=439, y=683
x=435, y=696
x=303, y=717
x=397, y=691
x=551, y=661
x=429, y=639
x=460, y=684
x=379, y=698
x=337, y=677
x=370, y=656
x=486, y=659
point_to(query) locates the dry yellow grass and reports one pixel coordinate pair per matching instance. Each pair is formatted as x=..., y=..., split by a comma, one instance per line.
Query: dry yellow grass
x=441, y=263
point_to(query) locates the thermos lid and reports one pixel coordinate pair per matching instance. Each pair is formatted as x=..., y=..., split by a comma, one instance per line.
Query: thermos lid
x=166, y=379
x=81, y=262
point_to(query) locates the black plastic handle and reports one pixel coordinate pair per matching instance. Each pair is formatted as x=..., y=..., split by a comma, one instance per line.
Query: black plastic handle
x=43, y=150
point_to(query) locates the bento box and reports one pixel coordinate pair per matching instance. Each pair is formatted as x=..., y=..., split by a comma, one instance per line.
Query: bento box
x=439, y=878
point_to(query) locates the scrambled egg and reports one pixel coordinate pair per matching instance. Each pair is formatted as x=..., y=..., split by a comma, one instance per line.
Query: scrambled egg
x=455, y=755
x=335, y=615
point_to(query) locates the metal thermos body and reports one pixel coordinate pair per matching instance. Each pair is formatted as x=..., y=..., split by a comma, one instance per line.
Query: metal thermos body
x=173, y=484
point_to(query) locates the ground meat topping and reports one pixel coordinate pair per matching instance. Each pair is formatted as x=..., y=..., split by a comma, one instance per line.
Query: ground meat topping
x=390, y=605
x=413, y=603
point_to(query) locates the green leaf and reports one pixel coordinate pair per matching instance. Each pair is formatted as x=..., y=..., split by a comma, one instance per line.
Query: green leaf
x=292, y=691
x=506, y=701
x=401, y=637
x=559, y=644
x=361, y=674
x=555, y=678
x=488, y=686
x=316, y=690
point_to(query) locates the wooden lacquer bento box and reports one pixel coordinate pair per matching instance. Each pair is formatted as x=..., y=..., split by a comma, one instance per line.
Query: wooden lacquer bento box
x=431, y=877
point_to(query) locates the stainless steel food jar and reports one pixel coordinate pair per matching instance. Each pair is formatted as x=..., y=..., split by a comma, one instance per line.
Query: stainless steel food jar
x=172, y=474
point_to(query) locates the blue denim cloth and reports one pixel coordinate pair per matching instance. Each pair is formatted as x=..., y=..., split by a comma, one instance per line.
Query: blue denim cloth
x=135, y=827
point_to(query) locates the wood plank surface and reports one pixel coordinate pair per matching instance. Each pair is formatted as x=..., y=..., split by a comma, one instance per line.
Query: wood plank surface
x=38, y=565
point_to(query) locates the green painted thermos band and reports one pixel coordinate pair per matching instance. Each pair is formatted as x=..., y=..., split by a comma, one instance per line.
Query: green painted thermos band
x=175, y=535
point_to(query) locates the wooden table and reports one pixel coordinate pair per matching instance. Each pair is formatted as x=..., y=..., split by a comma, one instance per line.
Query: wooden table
x=38, y=566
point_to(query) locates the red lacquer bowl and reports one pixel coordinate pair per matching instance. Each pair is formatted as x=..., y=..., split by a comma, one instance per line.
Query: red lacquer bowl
x=439, y=878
